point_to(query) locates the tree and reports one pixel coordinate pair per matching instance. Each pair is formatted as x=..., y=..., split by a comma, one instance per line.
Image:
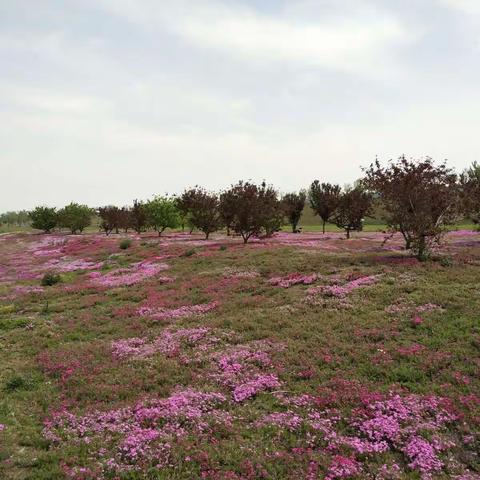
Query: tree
x=125, y=219
x=324, y=199
x=162, y=213
x=185, y=205
x=293, y=205
x=110, y=219
x=227, y=209
x=253, y=209
x=419, y=198
x=271, y=210
x=203, y=210
x=75, y=217
x=138, y=217
x=353, y=206
x=470, y=192
x=44, y=218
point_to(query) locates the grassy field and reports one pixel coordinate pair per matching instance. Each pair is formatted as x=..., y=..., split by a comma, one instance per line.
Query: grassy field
x=299, y=357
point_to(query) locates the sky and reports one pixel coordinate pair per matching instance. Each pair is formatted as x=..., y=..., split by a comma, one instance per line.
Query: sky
x=106, y=101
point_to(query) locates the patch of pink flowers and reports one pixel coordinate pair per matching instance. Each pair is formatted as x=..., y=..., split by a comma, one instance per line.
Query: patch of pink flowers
x=161, y=313
x=293, y=279
x=132, y=437
x=65, y=265
x=168, y=343
x=411, y=350
x=288, y=420
x=341, y=291
x=259, y=383
x=428, y=307
x=27, y=289
x=343, y=467
x=246, y=369
x=2, y=427
x=130, y=276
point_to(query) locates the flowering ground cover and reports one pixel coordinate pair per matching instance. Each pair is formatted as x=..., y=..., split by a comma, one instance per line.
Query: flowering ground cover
x=298, y=356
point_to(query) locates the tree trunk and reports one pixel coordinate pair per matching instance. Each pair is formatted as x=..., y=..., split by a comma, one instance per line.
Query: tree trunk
x=422, y=249
x=348, y=233
x=323, y=230
x=207, y=234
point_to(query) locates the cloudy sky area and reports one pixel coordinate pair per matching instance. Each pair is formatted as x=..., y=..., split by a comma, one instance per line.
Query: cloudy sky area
x=104, y=101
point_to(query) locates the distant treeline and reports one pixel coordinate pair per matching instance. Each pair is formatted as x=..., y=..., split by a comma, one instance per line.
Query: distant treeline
x=417, y=198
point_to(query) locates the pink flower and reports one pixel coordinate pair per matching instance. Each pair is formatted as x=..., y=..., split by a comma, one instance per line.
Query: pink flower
x=184, y=311
x=258, y=384
x=343, y=467
x=293, y=279
x=416, y=321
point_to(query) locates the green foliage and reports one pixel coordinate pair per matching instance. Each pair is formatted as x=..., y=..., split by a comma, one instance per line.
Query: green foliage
x=18, y=219
x=51, y=278
x=75, y=217
x=125, y=243
x=18, y=382
x=324, y=199
x=44, y=218
x=162, y=213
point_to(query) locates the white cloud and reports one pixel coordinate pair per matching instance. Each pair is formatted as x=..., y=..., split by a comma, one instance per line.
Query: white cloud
x=356, y=41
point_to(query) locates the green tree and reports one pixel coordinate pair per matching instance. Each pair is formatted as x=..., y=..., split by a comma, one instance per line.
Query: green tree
x=162, y=213
x=324, y=199
x=75, y=217
x=44, y=218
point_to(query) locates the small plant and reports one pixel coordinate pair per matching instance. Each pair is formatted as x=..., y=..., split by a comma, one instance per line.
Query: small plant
x=446, y=261
x=17, y=382
x=125, y=243
x=50, y=279
x=223, y=248
x=189, y=253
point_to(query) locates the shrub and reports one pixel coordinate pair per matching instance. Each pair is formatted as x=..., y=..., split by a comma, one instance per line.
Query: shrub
x=75, y=217
x=125, y=243
x=189, y=252
x=44, y=218
x=50, y=279
x=17, y=382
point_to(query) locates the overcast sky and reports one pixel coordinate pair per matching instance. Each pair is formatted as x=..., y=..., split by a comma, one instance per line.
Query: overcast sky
x=104, y=101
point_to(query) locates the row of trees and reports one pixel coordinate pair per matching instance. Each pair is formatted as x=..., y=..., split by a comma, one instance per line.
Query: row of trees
x=416, y=198
x=17, y=219
x=75, y=217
